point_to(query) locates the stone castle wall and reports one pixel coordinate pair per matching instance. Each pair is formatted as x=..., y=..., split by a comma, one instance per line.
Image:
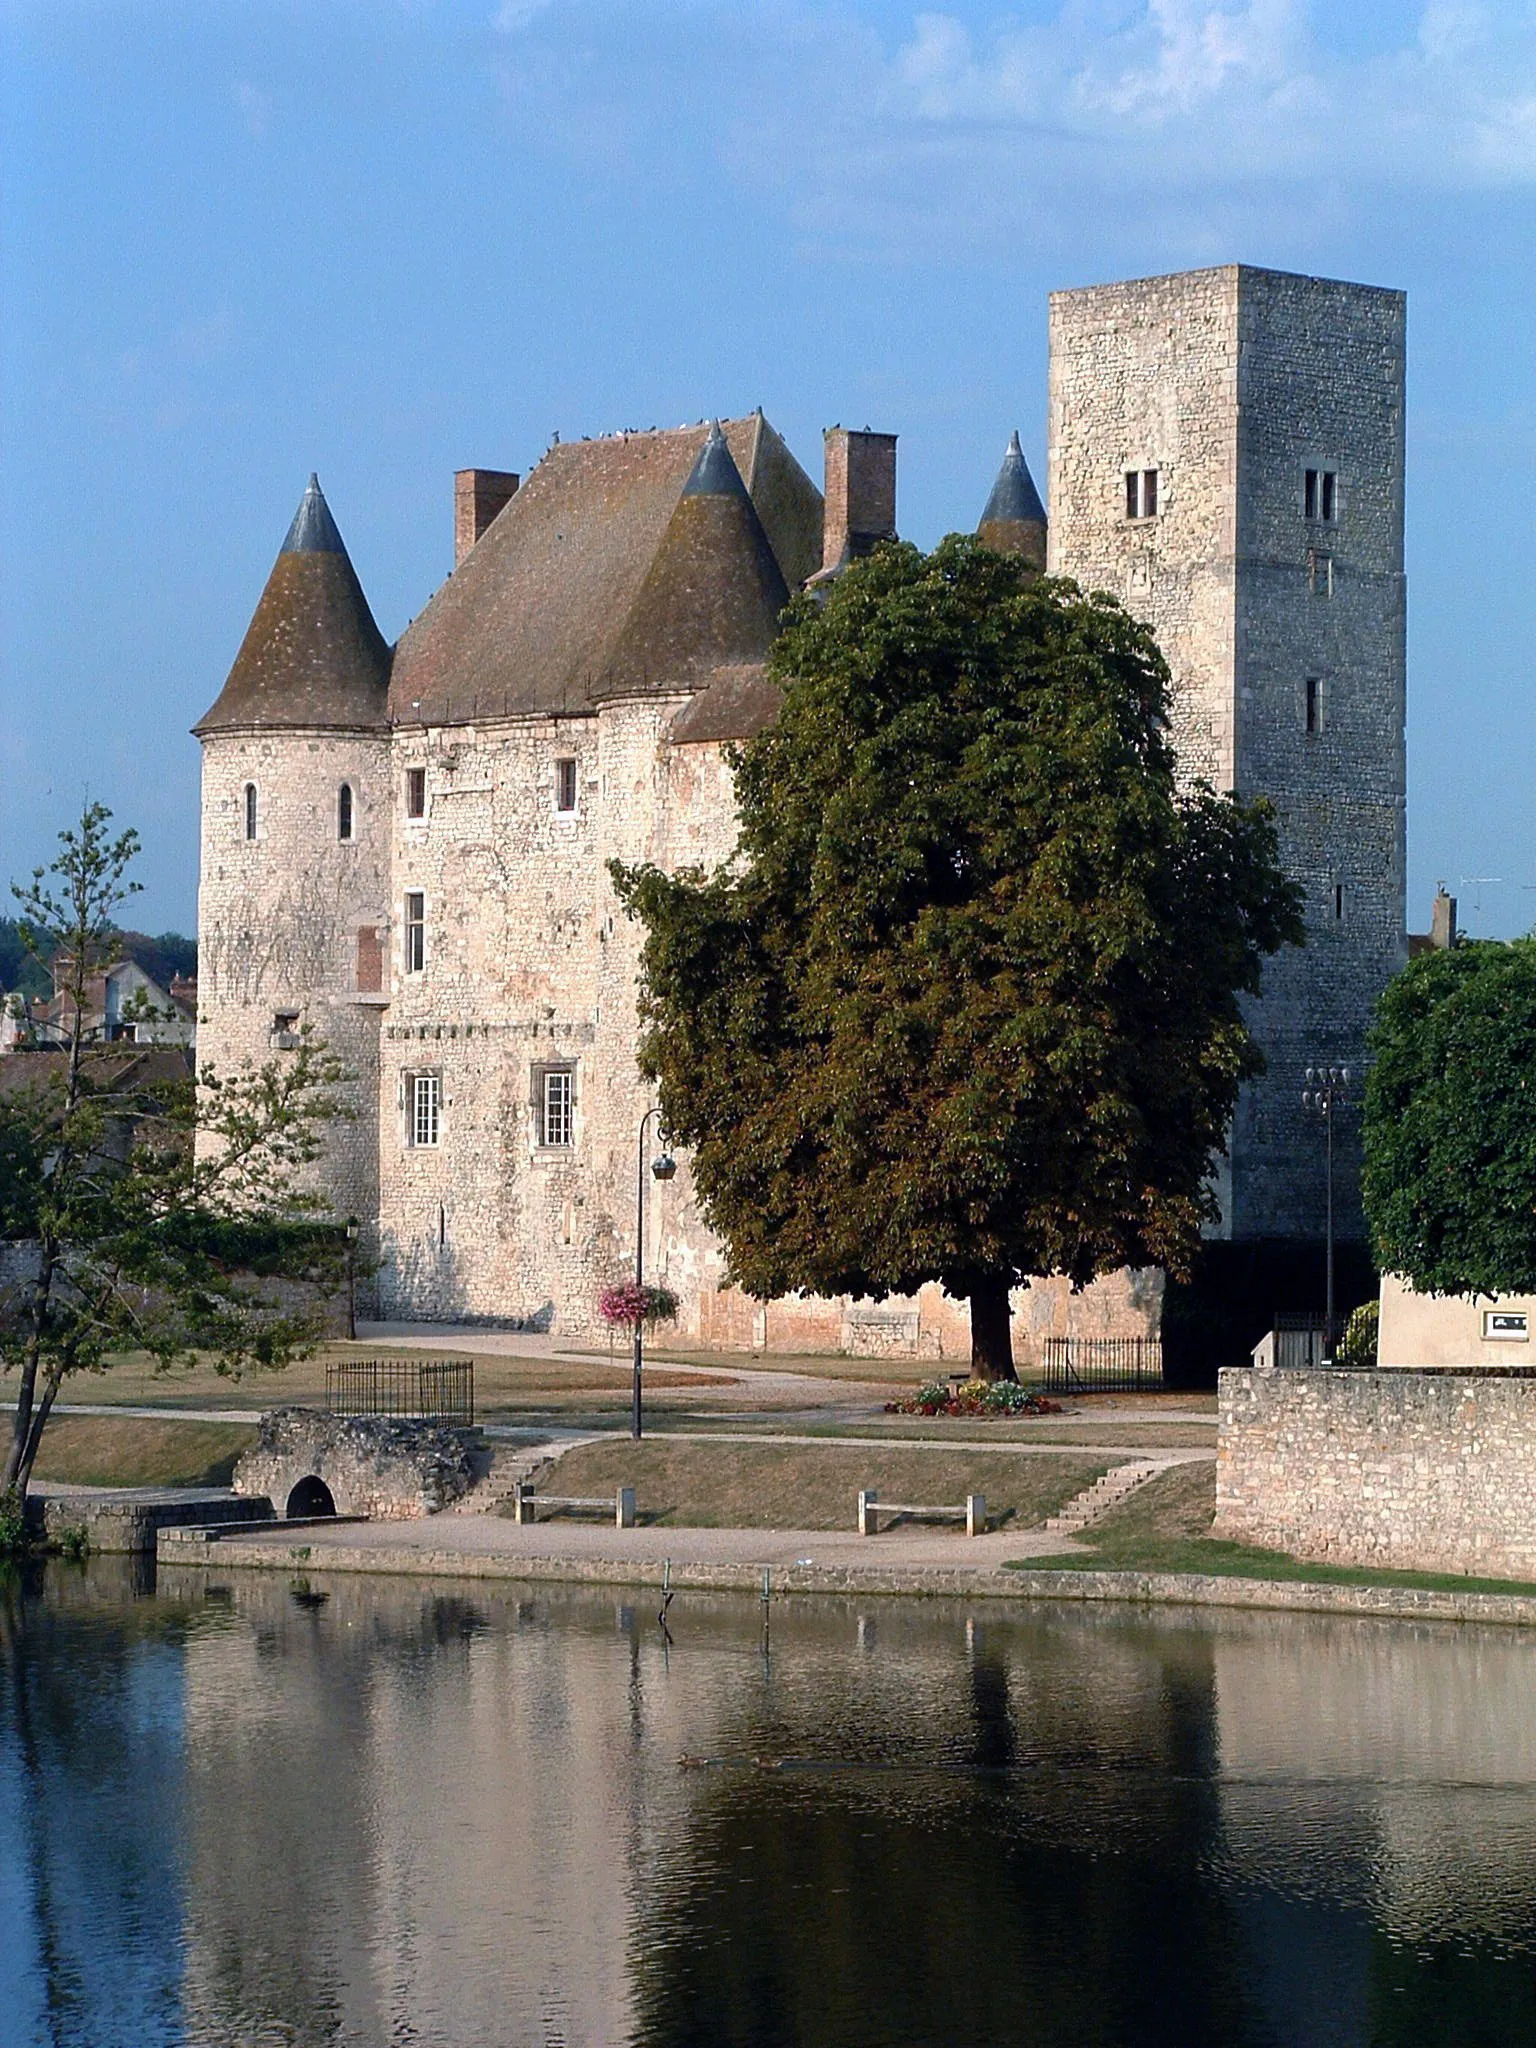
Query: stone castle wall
x=279, y=919
x=1232, y=383
x=1420, y=1471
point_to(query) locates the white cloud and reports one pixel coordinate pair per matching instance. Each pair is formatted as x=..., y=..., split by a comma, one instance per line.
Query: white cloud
x=513, y=16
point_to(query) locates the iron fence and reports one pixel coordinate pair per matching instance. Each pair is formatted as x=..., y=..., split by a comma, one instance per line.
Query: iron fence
x=1301, y=1341
x=432, y=1390
x=1101, y=1365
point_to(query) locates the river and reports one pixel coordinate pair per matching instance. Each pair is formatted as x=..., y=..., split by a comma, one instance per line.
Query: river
x=367, y=1811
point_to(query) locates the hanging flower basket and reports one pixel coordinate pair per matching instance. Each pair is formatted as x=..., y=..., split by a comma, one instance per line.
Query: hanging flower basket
x=626, y=1306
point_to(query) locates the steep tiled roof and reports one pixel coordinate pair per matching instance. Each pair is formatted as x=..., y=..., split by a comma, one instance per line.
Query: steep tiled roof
x=312, y=655
x=734, y=704
x=712, y=594
x=599, y=579
x=1014, y=519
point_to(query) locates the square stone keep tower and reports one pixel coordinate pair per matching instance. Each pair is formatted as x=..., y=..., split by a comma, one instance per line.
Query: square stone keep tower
x=1226, y=457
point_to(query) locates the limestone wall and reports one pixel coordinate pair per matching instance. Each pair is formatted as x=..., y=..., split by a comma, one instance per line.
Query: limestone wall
x=1416, y=1471
x=279, y=919
x=1231, y=384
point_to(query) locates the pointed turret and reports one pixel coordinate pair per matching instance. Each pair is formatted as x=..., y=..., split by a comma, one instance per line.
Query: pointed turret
x=713, y=593
x=312, y=655
x=1014, y=521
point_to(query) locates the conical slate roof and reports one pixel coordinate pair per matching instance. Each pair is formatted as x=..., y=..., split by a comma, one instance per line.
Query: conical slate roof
x=1014, y=520
x=714, y=590
x=312, y=655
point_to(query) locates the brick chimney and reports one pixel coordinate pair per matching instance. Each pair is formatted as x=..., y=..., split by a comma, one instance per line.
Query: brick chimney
x=860, y=494
x=478, y=495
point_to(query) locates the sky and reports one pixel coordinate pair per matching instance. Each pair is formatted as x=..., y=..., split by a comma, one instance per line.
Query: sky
x=385, y=241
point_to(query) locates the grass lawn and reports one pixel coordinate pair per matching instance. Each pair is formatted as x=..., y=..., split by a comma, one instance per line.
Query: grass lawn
x=782, y=1486
x=1165, y=1526
x=110, y=1450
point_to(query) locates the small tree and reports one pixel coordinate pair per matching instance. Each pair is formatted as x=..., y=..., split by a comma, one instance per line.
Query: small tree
x=965, y=1007
x=1449, y=1174
x=136, y=1237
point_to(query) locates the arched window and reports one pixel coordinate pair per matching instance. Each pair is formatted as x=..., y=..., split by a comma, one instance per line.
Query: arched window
x=344, y=811
x=250, y=810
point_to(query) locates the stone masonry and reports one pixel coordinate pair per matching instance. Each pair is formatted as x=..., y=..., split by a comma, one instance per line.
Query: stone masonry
x=1421, y=1471
x=1285, y=634
x=388, y=1469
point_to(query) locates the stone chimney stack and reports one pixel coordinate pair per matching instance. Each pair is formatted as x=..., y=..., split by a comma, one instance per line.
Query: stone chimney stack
x=1442, y=921
x=860, y=495
x=478, y=495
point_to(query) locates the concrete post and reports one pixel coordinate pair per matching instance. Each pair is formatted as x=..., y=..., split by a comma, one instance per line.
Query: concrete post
x=868, y=1505
x=975, y=1514
x=523, y=1508
x=624, y=1508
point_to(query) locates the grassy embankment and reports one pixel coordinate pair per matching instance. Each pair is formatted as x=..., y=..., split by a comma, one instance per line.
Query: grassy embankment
x=1165, y=1527
x=803, y=1486
x=128, y=1450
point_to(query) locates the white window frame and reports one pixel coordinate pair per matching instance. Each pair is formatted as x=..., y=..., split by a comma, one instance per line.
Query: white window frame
x=423, y=1110
x=413, y=932
x=556, y=1108
x=567, y=769
x=1143, y=494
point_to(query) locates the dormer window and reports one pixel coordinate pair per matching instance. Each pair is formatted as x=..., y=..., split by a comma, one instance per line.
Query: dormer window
x=1320, y=494
x=1141, y=495
x=250, y=810
x=344, y=811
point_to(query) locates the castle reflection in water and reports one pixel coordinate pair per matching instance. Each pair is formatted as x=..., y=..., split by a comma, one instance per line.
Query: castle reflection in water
x=368, y=1811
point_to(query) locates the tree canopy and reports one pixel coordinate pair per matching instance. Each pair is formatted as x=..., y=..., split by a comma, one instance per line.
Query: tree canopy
x=136, y=1238
x=1449, y=1177
x=965, y=1006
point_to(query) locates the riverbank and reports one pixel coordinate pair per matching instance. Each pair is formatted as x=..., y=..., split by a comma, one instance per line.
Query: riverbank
x=795, y=1562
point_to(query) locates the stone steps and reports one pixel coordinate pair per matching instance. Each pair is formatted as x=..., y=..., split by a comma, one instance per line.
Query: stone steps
x=1106, y=1492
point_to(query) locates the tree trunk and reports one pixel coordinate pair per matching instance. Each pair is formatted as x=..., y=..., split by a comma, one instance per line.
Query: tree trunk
x=35, y=1434
x=991, y=1329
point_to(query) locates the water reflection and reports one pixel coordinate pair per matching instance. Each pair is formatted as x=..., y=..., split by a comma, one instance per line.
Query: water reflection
x=363, y=1812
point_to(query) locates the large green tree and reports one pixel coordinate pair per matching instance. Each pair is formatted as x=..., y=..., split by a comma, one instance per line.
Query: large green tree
x=126, y=1234
x=965, y=1006
x=1449, y=1179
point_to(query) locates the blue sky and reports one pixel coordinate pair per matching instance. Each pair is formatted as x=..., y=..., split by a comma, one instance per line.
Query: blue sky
x=385, y=241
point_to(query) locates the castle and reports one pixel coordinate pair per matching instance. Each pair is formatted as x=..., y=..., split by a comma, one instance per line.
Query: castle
x=407, y=848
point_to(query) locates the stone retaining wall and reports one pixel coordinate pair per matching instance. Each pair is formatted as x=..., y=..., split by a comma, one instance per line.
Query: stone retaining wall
x=1414, y=1471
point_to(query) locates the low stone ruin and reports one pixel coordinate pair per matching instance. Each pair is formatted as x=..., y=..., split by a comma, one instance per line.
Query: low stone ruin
x=308, y=1462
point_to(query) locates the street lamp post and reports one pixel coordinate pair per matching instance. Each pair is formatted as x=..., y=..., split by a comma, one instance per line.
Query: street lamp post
x=662, y=1168
x=1327, y=1090
x=352, y=1278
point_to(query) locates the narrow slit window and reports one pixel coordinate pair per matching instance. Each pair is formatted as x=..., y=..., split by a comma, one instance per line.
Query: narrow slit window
x=426, y=1108
x=1320, y=496
x=250, y=810
x=558, y=1103
x=415, y=931
x=1320, y=573
x=1314, y=704
x=565, y=785
x=442, y=1227
x=344, y=811
x=1338, y=902
x=415, y=792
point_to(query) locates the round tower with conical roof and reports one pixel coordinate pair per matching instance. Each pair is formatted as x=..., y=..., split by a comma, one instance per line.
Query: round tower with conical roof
x=1014, y=520
x=292, y=918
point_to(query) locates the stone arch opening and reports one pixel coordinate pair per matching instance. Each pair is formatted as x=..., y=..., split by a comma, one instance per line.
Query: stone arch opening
x=309, y=1498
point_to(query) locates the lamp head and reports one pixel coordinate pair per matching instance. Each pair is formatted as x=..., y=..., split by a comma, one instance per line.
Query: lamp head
x=664, y=1167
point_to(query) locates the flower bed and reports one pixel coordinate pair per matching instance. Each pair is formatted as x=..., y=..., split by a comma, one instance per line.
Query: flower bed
x=975, y=1397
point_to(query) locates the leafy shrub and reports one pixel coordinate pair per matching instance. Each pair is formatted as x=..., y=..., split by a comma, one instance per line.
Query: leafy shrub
x=75, y=1543
x=13, y=1525
x=1357, y=1346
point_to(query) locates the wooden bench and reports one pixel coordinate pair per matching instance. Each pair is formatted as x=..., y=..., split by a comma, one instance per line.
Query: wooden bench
x=973, y=1513
x=527, y=1501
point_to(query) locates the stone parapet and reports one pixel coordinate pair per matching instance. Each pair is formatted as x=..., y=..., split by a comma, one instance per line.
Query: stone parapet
x=1416, y=1471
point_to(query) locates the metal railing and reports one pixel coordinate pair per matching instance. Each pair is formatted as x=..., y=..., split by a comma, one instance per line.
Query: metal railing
x=435, y=1390
x=1300, y=1342
x=1101, y=1365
